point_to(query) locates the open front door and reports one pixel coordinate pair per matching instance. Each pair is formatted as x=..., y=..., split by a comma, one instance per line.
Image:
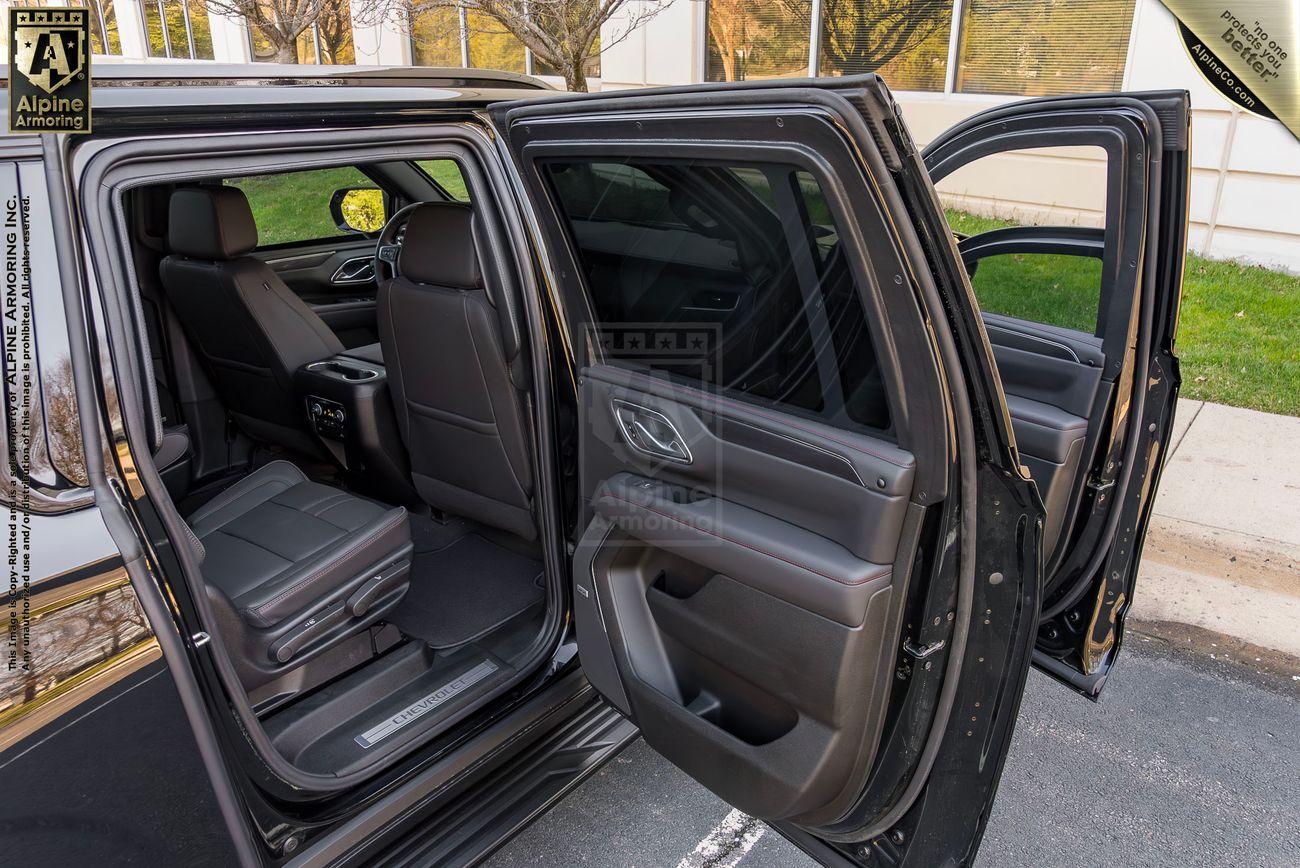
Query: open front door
x=1080, y=302
x=806, y=562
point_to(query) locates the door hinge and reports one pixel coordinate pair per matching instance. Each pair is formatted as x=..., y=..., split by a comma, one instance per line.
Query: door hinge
x=198, y=640
x=911, y=649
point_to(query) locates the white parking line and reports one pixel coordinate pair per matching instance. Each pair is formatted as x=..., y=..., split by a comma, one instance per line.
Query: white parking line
x=727, y=844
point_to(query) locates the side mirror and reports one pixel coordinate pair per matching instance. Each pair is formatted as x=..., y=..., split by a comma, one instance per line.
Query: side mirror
x=358, y=209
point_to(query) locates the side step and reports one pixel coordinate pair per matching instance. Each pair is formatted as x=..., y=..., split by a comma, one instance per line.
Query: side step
x=516, y=795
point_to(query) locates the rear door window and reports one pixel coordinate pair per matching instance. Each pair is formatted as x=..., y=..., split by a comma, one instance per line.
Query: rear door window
x=725, y=277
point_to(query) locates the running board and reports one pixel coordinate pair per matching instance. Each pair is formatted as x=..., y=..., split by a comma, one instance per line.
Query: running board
x=409, y=694
x=514, y=796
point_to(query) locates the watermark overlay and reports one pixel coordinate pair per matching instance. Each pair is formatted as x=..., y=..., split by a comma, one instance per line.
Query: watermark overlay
x=20, y=389
x=1246, y=50
x=657, y=423
x=49, y=70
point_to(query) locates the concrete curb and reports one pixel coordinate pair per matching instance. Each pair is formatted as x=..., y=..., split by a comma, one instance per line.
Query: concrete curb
x=1223, y=548
x=1236, y=585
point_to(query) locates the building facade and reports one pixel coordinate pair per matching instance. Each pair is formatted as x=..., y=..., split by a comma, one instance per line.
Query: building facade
x=944, y=59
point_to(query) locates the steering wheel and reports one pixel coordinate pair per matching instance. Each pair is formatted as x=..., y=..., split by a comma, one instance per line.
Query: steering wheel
x=388, y=246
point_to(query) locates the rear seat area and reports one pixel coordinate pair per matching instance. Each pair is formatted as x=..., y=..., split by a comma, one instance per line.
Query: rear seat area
x=293, y=566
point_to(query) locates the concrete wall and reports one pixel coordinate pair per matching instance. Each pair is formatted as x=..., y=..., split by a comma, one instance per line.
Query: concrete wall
x=1246, y=170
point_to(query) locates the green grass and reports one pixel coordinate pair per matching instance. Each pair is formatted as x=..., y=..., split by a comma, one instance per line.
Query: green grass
x=1043, y=287
x=295, y=206
x=447, y=175
x=1239, y=327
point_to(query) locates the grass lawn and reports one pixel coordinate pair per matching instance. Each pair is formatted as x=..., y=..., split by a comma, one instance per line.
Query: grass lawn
x=295, y=206
x=1238, y=333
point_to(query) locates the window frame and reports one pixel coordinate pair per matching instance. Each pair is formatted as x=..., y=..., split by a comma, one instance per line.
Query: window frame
x=1119, y=135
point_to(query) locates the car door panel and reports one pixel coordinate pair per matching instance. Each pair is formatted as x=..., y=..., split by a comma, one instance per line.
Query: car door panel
x=1090, y=410
x=1051, y=400
x=779, y=465
x=806, y=614
x=767, y=519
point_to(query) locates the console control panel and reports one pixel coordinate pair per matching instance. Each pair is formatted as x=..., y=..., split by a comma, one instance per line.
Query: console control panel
x=327, y=417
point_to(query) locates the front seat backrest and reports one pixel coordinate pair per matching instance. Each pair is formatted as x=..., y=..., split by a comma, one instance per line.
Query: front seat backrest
x=252, y=331
x=462, y=418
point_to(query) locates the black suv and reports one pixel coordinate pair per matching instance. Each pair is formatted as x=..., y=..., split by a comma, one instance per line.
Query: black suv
x=388, y=449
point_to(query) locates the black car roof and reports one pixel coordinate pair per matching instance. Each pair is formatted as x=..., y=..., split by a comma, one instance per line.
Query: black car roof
x=230, y=87
x=190, y=73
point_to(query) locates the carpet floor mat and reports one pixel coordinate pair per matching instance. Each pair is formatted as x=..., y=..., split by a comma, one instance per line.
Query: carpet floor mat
x=463, y=591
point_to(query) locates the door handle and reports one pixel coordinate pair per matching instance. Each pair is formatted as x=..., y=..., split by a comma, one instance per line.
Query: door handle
x=650, y=432
x=359, y=270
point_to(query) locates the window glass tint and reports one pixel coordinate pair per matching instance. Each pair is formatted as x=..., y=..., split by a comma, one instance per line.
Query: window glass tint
x=294, y=206
x=724, y=277
x=1038, y=47
x=43, y=429
x=447, y=175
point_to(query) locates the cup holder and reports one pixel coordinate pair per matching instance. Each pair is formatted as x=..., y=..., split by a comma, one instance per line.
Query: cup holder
x=342, y=371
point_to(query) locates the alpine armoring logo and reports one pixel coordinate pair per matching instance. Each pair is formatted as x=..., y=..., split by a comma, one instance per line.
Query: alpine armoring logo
x=49, y=70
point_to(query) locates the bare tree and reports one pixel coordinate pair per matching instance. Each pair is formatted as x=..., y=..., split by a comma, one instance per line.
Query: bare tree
x=858, y=35
x=280, y=22
x=563, y=35
x=335, y=28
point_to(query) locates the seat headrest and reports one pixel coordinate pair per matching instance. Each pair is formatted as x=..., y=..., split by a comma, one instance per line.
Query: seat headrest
x=210, y=223
x=438, y=246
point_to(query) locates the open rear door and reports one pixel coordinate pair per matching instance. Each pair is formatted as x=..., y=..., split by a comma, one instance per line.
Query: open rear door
x=1080, y=302
x=807, y=561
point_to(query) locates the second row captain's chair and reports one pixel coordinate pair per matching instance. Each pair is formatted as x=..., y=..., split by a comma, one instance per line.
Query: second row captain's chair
x=460, y=412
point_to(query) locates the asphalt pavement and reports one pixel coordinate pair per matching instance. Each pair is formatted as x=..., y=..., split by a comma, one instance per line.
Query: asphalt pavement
x=1187, y=760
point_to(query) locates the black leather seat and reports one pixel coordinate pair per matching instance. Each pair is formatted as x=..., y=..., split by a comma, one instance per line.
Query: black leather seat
x=172, y=458
x=251, y=330
x=457, y=385
x=293, y=566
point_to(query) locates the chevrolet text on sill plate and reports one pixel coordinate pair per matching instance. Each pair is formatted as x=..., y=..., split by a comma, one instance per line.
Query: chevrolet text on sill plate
x=49, y=71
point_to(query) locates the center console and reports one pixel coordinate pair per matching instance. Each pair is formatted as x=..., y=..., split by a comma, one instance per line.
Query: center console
x=349, y=409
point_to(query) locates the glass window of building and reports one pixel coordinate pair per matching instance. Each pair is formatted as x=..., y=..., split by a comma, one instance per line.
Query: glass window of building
x=103, y=26
x=1043, y=47
x=178, y=28
x=327, y=39
x=491, y=46
x=591, y=68
x=435, y=37
x=749, y=40
x=906, y=41
x=104, y=37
